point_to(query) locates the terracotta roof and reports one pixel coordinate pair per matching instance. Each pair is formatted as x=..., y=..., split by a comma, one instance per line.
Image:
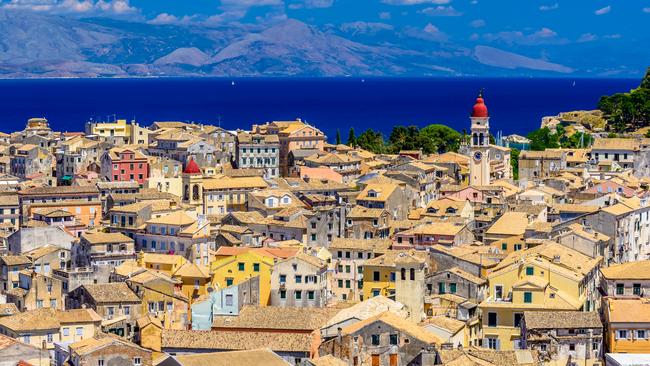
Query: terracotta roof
x=639, y=270
x=373, y=245
x=449, y=324
x=47, y=190
x=403, y=325
x=15, y=260
x=46, y=318
x=367, y=309
x=328, y=360
x=264, y=357
x=235, y=340
x=191, y=270
x=391, y=257
x=179, y=218
x=360, y=212
x=510, y=223
x=114, y=292
x=234, y=183
x=562, y=319
x=105, y=238
x=274, y=317
x=632, y=310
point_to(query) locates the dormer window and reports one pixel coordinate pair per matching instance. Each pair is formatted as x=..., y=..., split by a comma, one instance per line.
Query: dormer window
x=372, y=194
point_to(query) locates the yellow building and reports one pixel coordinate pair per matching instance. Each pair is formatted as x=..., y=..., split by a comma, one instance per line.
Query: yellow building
x=43, y=327
x=165, y=263
x=119, y=131
x=379, y=273
x=162, y=297
x=546, y=277
x=225, y=194
x=237, y=268
x=628, y=325
x=195, y=279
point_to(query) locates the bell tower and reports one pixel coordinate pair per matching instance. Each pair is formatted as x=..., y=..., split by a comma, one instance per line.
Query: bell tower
x=479, y=163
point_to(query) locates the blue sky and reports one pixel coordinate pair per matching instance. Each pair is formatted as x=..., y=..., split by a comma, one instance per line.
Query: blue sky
x=602, y=29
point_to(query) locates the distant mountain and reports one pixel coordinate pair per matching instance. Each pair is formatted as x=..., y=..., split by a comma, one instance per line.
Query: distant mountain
x=40, y=45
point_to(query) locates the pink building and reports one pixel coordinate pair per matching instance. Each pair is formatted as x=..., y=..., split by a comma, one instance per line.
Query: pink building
x=123, y=165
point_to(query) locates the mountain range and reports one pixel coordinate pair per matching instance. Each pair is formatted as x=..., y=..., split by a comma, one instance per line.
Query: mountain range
x=45, y=45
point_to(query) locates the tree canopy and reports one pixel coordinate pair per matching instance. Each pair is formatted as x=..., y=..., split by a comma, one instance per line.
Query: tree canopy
x=628, y=111
x=433, y=138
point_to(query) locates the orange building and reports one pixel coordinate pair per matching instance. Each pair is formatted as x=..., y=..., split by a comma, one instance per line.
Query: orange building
x=81, y=201
x=628, y=325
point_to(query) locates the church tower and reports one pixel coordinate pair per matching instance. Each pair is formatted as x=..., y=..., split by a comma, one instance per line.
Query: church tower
x=479, y=163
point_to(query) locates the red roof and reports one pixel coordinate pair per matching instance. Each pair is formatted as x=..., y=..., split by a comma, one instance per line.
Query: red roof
x=480, y=109
x=192, y=168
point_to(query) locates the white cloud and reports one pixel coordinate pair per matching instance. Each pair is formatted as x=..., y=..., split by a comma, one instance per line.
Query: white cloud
x=477, y=23
x=604, y=10
x=587, y=37
x=81, y=7
x=613, y=36
x=164, y=18
x=441, y=11
x=415, y=2
x=361, y=27
x=384, y=15
x=549, y=7
x=646, y=10
x=310, y=4
x=542, y=36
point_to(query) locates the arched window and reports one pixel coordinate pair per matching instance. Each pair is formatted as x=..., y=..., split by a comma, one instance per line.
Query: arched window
x=403, y=274
x=480, y=139
x=195, y=192
x=475, y=138
x=412, y=274
x=186, y=193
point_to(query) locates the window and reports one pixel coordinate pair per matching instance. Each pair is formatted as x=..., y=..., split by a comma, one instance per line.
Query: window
x=636, y=289
x=283, y=294
x=375, y=276
x=229, y=299
x=26, y=339
x=517, y=320
x=50, y=337
x=66, y=332
x=229, y=281
x=621, y=334
x=492, y=343
x=393, y=339
x=620, y=289
x=256, y=267
x=340, y=283
x=241, y=267
x=347, y=283
x=137, y=361
x=283, y=278
x=100, y=362
x=441, y=288
x=498, y=292
x=392, y=276
x=492, y=319
x=504, y=246
x=452, y=288
x=298, y=279
x=298, y=295
x=347, y=269
x=79, y=331
x=375, y=339
x=127, y=310
x=530, y=271
x=310, y=295
x=641, y=334
x=375, y=292
x=528, y=297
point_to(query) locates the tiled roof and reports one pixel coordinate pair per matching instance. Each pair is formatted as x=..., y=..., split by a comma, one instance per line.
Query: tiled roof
x=179, y=218
x=510, y=223
x=631, y=310
x=15, y=260
x=562, y=319
x=264, y=357
x=403, y=325
x=47, y=190
x=390, y=257
x=360, y=244
x=105, y=238
x=639, y=270
x=278, y=318
x=46, y=318
x=111, y=292
x=235, y=340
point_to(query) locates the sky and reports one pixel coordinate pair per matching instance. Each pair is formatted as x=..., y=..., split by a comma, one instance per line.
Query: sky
x=597, y=26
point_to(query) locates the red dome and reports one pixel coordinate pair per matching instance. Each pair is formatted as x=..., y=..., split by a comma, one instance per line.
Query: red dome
x=480, y=109
x=192, y=168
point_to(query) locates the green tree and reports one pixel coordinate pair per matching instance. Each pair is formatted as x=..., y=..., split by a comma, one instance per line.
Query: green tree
x=338, y=137
x=438, y=138
x=514, y=162
x=628, y=111
x=577, y=140
x=403, y=138
x=372, y=141
x=352, y=139
x=543, y=139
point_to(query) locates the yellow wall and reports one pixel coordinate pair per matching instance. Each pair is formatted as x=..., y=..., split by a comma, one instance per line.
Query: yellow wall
x=120, y=129
x=151, y=338
x=385, y=285
x=228, y=267
x=628, y=345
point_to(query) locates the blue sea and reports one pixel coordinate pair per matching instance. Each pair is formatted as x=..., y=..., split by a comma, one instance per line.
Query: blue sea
x=515, y=105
